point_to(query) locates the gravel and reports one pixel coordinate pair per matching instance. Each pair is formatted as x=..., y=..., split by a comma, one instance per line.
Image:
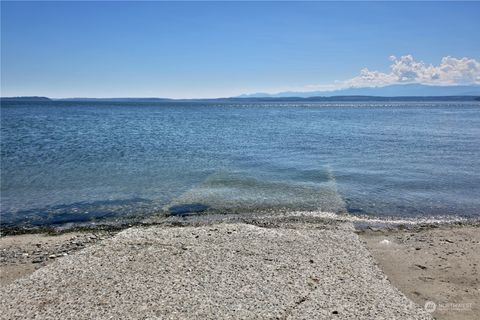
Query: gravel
x=216, y=271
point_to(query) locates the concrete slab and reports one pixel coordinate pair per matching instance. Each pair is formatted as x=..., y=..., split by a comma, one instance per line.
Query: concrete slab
x=217, y=271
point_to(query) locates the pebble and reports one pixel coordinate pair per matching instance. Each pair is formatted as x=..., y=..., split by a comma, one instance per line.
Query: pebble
x=421, y=266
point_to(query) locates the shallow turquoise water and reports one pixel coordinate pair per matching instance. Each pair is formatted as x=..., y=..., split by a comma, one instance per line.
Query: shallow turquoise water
x=81, y=161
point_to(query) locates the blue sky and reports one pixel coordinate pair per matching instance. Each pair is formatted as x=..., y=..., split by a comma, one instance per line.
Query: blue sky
x=184, y=50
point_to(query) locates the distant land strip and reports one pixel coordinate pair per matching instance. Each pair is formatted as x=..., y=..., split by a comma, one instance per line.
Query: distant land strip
x=249, y=99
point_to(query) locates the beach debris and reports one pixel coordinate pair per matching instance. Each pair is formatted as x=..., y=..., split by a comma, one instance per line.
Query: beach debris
x=385, y=242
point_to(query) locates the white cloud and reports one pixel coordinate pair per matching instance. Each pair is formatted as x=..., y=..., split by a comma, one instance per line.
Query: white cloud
x=450, y=71
x=403, y=70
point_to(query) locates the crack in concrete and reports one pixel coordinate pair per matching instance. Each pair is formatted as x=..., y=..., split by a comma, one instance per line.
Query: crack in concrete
x=289, y=309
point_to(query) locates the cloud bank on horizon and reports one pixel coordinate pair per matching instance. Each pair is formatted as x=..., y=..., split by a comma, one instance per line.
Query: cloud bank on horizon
x=405, y=69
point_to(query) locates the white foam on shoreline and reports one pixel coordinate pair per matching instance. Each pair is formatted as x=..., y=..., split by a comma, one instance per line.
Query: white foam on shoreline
x=384, y=220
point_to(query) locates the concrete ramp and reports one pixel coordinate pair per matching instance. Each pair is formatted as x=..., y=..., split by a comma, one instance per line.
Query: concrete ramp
x=236, y=192
x=219, y=271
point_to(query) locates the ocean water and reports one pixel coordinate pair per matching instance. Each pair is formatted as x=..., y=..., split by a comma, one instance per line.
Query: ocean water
x=83, y=162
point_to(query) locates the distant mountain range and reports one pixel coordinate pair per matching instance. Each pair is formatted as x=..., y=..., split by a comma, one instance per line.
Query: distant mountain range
x=407, y=92
x=400, y=90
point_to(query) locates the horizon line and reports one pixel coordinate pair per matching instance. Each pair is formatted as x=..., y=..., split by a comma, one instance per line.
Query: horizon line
x=33, y=98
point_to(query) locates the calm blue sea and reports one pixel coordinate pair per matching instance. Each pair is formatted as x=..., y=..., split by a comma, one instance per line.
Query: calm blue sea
x=76, y=162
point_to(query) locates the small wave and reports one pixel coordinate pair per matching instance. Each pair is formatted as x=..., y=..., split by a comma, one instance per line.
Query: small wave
x=388, y=221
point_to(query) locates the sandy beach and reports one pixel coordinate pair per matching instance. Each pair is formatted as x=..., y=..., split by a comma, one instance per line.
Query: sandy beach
x=272, y=268
x=440, y=265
